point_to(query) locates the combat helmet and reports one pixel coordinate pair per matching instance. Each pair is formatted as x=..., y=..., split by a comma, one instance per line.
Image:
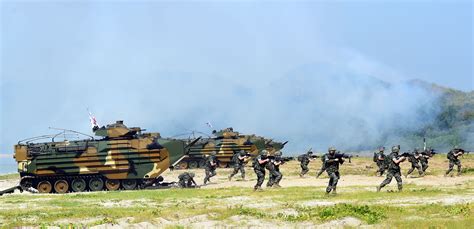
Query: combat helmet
x=191, y=174
x=242, y=152
x=263, y=152
x=381, y=148
x=332, y=148
x=213, y=153
x=395, y=149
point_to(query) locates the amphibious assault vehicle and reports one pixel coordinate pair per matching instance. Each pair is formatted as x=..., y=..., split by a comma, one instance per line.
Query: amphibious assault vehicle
x=122, y=158
x=225, y=143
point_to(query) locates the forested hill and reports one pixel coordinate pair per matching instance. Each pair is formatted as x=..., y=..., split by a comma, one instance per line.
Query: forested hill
x=454, y=123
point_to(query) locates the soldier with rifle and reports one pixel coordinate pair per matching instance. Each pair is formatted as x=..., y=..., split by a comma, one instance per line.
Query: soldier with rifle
x=332, y=160
x=414, y=159
x=394, y=168
x=239, y=160
x=259, y=164
x=273, y=167
x=186, y=180
x=425, y=156
x=323, y=168
x=210, y=167
x=304, y=161
x=380, y=160
x=454, y=160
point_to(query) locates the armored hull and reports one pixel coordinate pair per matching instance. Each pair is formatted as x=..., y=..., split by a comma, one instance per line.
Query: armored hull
x=226, y=143
x=123, y=159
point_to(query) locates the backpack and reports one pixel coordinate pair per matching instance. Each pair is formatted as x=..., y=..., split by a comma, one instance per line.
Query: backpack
x=300, y=158
x=375, y=158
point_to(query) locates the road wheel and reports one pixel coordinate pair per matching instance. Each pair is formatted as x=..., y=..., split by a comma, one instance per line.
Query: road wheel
x=193, y=164
x=182, y=165
x=44, y=187
x=78, y=185
x=61, y=186
x=129, y=184
x=96, y=184
x=112, y=185
x=202, y=163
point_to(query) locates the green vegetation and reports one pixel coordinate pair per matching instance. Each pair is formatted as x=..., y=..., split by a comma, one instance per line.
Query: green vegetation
x=221, y=204
x=454, y=124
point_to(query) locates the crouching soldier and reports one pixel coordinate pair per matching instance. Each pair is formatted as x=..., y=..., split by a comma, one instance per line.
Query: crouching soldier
x=393, y=169
x=186, y=180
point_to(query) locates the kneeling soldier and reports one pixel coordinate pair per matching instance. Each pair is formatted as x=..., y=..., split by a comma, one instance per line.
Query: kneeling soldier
x=186, y=180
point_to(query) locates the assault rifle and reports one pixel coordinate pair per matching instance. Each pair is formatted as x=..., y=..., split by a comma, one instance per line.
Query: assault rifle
x=344, y=155
x=282, y=159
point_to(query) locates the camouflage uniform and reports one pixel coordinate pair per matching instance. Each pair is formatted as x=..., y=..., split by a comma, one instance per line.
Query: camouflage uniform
x=332, y=168
x=415, y=160
x=186, y=180
x=305, y=159
x=210, y=167
x=380, y=161
x=424, y=162
x=239, y=164
x=454, y=160
x=393, y=170
x=323, y=168
x=259, y=168
x=275, y=175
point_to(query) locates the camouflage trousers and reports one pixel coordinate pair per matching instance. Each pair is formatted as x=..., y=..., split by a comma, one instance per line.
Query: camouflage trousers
x=390, y=175
x=415, y=165
x=321, y=171
x=260, y=177
x=382, y=167
x=451, y=166
x=304, y=169
x=210, y=172
x=238, y=168
x=333, y=179
x=424, y=165
x=274, y=178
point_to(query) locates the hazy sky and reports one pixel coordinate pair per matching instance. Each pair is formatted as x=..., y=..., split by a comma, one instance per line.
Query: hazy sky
x=57, y=58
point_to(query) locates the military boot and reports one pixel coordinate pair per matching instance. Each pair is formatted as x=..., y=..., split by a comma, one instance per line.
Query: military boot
x=276, y=186
x=378, y=188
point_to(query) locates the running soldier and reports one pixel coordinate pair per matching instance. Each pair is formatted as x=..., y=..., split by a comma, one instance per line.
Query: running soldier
x=210, y=167
x=424, y=159
x=239, y=160
x=415, y=163
x=304, y=161
x=393, y=169
x=454, y=160
x=323, y=168
x=380, y=160
x=186, y=180
x=275, y=175
x=332, y=167
x=259, y=164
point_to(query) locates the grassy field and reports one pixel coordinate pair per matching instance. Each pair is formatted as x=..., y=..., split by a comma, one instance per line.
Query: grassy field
x=421, y=206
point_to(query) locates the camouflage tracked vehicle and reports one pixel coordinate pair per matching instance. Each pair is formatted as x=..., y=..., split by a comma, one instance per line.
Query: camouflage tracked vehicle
x=225, y=143
x=124, y=158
